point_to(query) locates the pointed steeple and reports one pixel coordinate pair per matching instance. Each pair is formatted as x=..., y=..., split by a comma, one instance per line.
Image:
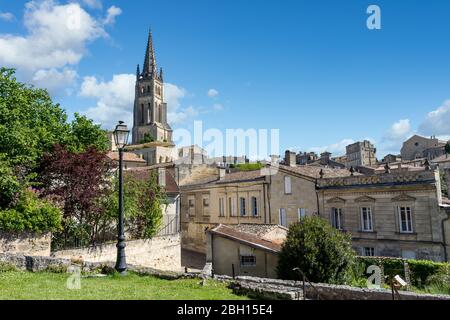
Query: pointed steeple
x=138, y=72
x=150, y=68
x=161, y=76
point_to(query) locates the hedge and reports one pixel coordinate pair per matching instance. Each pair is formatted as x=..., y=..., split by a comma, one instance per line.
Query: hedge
x=420, y=270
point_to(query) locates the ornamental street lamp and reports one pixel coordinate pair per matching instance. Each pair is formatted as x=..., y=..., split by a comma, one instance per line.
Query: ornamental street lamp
x=121, y=134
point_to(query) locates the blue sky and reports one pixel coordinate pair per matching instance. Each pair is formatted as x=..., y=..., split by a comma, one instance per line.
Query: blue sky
x=309, y=68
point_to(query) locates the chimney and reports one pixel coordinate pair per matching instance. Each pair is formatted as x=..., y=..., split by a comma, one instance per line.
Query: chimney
x=290, y=158
x=162, y=177
x=222, y=172
x=274, y=159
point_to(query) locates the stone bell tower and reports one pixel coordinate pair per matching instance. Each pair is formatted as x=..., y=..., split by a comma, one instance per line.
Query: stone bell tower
x=150, y=110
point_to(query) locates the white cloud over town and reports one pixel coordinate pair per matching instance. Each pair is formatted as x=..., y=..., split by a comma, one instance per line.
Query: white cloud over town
x=56, y=40
x=115, y=100
x=437, y=122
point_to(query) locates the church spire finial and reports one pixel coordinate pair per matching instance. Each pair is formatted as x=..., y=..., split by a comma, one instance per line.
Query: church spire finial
x=150, y=68
x=138, y=72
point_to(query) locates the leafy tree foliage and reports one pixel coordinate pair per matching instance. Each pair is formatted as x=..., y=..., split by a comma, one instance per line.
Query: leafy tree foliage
x=29, y=121
x=78, y=181
x=9, y=184
x=84, y=134
x=147, y=138
x=144, y=200
x=323, y=253
x=31, y=214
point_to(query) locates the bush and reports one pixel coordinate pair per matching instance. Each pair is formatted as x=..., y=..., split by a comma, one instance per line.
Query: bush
x=9, y=184
x=247, y=166
x=31, y=214
x=323, y=253
x=421, y=271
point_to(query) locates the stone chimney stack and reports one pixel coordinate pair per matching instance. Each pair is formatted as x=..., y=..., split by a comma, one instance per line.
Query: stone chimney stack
x=222, y=172
x=290, y=158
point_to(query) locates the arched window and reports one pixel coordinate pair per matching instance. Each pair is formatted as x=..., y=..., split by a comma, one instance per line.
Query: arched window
x=148, y=89
x=142, y=114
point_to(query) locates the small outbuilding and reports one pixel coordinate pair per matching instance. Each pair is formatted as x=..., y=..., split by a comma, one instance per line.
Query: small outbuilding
x=245, y=249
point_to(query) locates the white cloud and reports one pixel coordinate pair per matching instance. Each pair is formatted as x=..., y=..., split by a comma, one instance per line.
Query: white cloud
x=217, y=107
x=115, y=100
x=7, y=16
x=394, y=137
x=53, y=80
x=399, y=130
x=93, y=4
x=336, y=149
x=437, y=122
x=56, y=39
x=112, y=13
x=213, y=93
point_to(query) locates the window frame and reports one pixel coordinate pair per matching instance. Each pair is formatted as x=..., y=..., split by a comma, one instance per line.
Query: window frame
x=368, y=212
x=337, y=210
x=283, y=210
x=247, y=264
x=254, y=206
x=242, y=207
x=364, y=251
x=301, y=213
x=287, y=184
x=221, y=207
x=409, y=220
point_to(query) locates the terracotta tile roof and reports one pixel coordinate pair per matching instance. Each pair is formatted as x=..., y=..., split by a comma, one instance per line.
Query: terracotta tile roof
x=241, y=233
x=314, y=171
x=443, y=158
x=127, y=156
x=144, y=174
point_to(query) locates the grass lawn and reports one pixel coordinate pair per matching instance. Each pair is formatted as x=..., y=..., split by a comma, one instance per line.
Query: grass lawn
x=52, y=286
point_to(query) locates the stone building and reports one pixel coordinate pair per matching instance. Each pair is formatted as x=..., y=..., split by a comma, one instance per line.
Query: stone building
x=421, y=147
x=151, y=134
x=306, y=158
x=362, y=153
x=325, y=160
x=389, y=214
x=274, y=195
x=245, y=250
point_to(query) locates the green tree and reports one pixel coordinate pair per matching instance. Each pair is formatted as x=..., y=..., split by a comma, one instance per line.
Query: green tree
x=144, y=200
x=84, y=134
x=30, y=123
x=9, y=184
x=447, y=148
x=323, y=253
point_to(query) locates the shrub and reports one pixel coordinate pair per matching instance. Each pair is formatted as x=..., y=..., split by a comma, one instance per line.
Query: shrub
x=247, y=166
x=323, y=253
x=421, y=270
x=31, y=214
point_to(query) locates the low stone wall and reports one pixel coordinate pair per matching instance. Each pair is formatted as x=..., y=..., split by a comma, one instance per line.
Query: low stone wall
x=163, y=253
x=39, y=264
x=27, y=243
x=324, y=291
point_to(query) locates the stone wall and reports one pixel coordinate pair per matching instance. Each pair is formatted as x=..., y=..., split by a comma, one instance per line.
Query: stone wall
x=325, y=291
x=162, y=253
x=25, y=243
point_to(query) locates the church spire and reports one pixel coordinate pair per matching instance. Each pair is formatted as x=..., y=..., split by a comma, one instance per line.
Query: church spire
x=150, y=68
x=138, y=72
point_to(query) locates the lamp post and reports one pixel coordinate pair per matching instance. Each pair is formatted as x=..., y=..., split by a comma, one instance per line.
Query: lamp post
x=121, y=134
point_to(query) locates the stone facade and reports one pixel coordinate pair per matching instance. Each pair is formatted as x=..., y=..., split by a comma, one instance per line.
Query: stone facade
x=25, y=243
x=280, y=198
x=394, y=215
x=150, y=110
x=419, y=147
x=361, y=154
x=162, y=253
